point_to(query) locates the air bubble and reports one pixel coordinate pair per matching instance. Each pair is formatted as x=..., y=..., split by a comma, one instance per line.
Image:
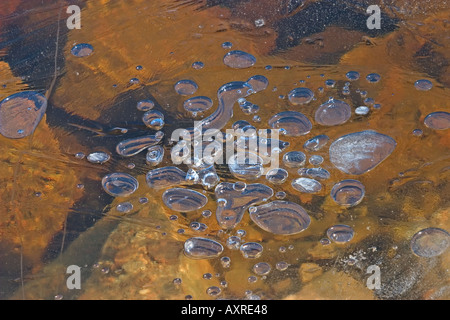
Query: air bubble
x=359, y=152
x=186, y=87
x=202, y=248
x=119, y=184
x=333, y=112
x=340, y=233
x=280, y=217
x=145, y=105
x=439, y=120
x=352, y=75
x=373, y=78
x=239, y=59
x=21, y=113
x=184, y=200
x=307, y=185
x=430, y=242
x=153, y=119
x=251, y=250
x=348, y=193
x=277, y=176
x=262, y=268
x=423, y=85
x=295, y=123
x=98, y=157
x=82, y=50
x=294, y=159
x=124, y=207
x=300, y=96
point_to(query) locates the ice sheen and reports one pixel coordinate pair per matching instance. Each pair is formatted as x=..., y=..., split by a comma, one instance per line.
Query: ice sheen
x=231, y=208
x=280, y=217
x=359, y=152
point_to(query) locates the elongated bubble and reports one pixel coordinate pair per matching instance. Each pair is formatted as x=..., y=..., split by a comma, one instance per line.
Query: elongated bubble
x=184, y=200
x=234, y=201
x=360, y=152
x=202, y=248
x=21, y=113
x=133, y=146
x=227, y=96
x=280, y=217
